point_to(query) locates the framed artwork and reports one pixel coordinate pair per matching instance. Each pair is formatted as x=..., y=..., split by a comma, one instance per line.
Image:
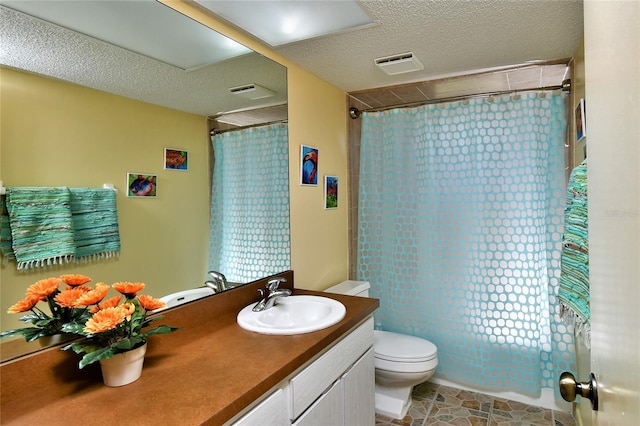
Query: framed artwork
x=176, y=159
x=581, y=123
x=331, y=192
x=141, y=185
x=309, y=165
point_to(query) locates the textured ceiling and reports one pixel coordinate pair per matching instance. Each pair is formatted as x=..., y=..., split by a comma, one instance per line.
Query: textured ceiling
x=449, y=37
x=33, y=45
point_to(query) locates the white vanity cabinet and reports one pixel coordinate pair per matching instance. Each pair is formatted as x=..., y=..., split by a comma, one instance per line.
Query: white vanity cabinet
x=326, y=410
x=270, y=411
x=358, y=389
x=336, y=388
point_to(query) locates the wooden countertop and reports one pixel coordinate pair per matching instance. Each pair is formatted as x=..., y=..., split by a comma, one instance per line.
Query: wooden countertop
x=205, y=373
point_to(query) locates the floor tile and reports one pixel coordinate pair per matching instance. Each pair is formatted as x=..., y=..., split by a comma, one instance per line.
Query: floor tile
x=447, y=414
x=463, y=398
x=439, y=405
x=512, y=413
x=563, y=419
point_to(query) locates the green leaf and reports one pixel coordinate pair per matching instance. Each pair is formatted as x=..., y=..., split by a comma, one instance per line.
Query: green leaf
x=31, y=318
x=161, y=329
x=91, y=357
x=128, y=344
x=29, y=333
x=83, y=346
x=10, y=333
x=73, y=327
x=45, y=322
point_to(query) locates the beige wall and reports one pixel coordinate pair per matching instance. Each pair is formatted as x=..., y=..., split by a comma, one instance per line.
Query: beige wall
x=107, y=141
x=58, y=134
x=319, y=237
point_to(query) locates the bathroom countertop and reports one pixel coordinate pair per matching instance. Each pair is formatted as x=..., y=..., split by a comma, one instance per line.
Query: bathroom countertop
x=206, y=373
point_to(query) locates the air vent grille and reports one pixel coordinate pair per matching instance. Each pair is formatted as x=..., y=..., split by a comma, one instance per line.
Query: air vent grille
x=399, y=64
x=251, y=91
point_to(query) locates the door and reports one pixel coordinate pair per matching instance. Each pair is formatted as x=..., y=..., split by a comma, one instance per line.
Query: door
x=612, y=51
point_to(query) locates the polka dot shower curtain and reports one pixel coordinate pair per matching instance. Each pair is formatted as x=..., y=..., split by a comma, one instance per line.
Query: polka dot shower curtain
x=249, y=230
x=460, y=234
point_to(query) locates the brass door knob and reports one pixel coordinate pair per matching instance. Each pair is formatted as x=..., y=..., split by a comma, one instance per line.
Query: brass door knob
x=569, y=388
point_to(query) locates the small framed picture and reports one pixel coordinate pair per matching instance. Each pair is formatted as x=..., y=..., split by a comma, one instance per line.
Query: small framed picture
x=581, y=122
x=176, y=159
x=141, y=185
x=331, y=192
x=309, y=165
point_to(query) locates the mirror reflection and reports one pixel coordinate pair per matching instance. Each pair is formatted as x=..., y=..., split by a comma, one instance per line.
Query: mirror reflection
x=165, y=241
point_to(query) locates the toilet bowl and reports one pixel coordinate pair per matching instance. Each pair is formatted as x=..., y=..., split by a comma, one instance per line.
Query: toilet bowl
x=401, y=361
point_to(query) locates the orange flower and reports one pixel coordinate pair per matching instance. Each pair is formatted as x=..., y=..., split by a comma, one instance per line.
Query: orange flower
x=150, y=303
x=111, y=302
x=127, y=309
x=43, y=288
x=79, y=287
x=127, y=288
x=104, y=320
x=94, y=296
x=24, y=305
x=68, y=298
x=75, y=279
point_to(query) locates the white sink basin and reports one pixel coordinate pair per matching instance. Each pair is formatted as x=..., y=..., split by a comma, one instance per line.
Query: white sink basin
x=293, y=315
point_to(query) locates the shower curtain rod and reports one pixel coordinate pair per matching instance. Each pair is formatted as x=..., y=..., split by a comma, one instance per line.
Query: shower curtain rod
x=565, y=87
x=250, y=126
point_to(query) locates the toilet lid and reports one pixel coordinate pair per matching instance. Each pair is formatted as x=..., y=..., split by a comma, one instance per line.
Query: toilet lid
x=402, y=348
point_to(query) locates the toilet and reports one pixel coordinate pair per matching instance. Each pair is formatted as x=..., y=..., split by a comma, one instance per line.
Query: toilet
x=401, y=361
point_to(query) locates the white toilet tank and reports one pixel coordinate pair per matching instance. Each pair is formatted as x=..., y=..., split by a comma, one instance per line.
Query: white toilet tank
x=351, y=288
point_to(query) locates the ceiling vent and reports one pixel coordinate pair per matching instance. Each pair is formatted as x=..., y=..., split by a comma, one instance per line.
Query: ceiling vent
x=252, y=91
x=399, y=64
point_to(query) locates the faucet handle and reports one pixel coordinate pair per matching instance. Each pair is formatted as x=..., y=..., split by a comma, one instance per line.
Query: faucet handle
x=217, y=275
x=272, y=284
x=258, y=307
x=212, y=285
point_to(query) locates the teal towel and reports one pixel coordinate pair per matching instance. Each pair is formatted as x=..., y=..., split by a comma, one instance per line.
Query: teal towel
x=95, y=223
x=41, y=225
x=573, y=292
x=6, y=249
x=45, y=226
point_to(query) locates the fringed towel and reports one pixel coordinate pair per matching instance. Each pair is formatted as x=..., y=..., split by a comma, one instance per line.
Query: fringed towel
x=574, y=276
x=95, y=223
x=41, y=225
x=45, y=226
x=6, y=249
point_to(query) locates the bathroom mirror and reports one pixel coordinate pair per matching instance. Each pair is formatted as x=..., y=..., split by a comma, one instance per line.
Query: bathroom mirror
x=31, y=43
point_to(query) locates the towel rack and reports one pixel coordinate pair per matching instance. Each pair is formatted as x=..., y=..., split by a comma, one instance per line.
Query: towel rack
x=3, y=190
x=110, y=186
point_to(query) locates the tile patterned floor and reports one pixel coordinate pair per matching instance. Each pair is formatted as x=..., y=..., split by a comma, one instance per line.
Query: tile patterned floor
x=438, y=405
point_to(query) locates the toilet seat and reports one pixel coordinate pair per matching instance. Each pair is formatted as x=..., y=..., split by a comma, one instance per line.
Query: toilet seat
x=403, y=349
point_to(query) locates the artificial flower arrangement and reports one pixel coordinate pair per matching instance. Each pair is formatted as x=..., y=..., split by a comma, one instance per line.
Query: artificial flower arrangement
x=110, y=326
x=60, y=302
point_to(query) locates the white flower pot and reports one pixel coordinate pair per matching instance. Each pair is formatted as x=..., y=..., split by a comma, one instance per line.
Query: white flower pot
x=124, y=368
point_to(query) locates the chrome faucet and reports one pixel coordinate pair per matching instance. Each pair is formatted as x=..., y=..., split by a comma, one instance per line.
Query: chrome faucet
x=218, y=282
x=275, y=293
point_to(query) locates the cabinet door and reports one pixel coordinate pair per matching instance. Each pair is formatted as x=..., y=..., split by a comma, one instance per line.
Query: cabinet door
x=327, y=410
x=306, y=386
x=358, y=388
x=271, y=411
